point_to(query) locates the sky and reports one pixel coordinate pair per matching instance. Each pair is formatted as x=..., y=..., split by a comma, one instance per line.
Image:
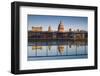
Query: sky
x=73, y=22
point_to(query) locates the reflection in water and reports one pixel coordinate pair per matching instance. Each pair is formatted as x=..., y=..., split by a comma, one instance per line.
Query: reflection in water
x=36, y=47
x=49, y=47
x=57, y=50
x=61, y=49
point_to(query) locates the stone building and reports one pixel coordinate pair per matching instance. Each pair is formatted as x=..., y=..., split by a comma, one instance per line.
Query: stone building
x=38, y=33
x=49, y=29
x=37, y=29
x=61, y=27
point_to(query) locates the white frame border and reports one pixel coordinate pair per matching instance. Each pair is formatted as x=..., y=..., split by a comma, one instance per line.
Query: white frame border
x=24, y=64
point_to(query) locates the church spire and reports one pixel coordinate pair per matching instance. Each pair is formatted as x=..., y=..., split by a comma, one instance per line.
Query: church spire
x=61, y=22
x=49, y=29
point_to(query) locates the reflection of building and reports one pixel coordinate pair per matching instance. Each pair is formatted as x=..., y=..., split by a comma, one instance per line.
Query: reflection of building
x=36, y=47
x=61, y=27
x=80, y=49
x=61, y=49
x=37, y=29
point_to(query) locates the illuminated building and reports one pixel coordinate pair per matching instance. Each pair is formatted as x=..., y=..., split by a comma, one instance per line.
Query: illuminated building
x=61, y=27
x=49, y=29
x=37, y=29
x=37, y=33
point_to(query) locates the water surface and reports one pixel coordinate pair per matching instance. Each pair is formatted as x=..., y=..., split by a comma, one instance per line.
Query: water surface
x=53, y=50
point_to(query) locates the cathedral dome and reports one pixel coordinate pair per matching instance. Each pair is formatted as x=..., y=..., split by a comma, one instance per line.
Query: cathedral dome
x=61, y=27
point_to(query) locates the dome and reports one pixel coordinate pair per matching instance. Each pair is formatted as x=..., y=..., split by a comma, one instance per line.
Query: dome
x=61, y=27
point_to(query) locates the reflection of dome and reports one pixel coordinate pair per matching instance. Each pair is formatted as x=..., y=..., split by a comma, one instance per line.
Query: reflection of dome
x=61, y=27
x=61, y=49
x=49, y=47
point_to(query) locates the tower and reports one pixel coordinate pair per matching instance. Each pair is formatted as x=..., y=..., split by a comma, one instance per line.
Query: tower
x=61, y=27
x=49, y=29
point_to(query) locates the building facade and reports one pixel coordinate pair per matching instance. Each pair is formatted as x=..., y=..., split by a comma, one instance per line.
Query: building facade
x=61, y=27
x=36, y=29
x=38, y=33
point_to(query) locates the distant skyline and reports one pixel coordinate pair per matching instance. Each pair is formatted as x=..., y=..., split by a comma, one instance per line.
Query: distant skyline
x=73, y=22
